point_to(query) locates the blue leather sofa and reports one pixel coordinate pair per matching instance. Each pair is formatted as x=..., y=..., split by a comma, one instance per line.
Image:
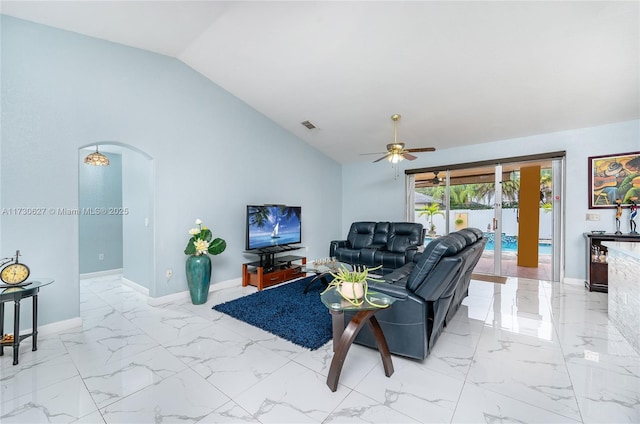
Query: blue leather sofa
x=390, y=244
x=429, y=290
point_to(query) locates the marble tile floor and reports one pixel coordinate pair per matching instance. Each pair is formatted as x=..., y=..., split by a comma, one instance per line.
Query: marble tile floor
x=527, y=351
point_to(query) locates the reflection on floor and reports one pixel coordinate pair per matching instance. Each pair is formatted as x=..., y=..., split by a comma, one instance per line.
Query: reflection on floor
x=510, y=266
x=524, y=351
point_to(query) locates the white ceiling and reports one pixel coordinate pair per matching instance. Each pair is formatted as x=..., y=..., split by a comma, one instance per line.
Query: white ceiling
x=459, y=73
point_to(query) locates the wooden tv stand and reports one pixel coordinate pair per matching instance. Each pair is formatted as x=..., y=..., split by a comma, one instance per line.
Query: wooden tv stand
x=272, y=270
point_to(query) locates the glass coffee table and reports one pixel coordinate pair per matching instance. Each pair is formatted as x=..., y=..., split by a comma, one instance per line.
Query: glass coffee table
x=343, y=337
x=322, y=270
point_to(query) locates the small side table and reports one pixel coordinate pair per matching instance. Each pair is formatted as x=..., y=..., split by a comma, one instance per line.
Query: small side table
x=343, y=337
x=16, y=294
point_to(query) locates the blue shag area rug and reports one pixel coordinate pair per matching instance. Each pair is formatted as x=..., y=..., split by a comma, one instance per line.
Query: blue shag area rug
x=287, y=312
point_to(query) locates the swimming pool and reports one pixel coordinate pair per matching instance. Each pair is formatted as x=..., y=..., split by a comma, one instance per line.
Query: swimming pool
x=512, y=246
x=509, y=244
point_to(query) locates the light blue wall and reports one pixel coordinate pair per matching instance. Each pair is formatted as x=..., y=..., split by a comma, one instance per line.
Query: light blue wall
x=213, y=154
x=138, y=222
x=364, y=185
x=100, y=191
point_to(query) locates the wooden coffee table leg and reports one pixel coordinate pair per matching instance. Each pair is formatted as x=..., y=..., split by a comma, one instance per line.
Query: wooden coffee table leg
x=348, y=336
x=383, y=348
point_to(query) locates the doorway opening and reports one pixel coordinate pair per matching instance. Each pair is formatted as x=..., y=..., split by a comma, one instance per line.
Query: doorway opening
x=116, y=215
x=491, y=196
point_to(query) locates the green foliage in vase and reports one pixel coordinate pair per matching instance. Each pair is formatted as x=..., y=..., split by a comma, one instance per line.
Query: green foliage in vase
x=200, y=242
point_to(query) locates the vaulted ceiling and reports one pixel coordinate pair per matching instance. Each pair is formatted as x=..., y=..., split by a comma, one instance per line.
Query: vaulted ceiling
x=459, y=73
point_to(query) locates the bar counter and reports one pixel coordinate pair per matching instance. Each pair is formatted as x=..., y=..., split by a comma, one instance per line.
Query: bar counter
x=624, y=289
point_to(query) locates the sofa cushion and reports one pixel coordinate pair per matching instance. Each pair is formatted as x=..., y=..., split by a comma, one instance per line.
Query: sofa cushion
x=361, y=234
x=404, y=235
x=470, y=234
x=441, y=247
x=381, y=234
x=389, y=260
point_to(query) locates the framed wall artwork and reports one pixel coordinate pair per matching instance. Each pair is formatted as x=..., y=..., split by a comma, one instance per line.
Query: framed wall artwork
x=613, y=177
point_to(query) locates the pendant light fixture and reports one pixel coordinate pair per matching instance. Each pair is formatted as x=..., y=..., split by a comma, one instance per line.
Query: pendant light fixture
x=96, y=159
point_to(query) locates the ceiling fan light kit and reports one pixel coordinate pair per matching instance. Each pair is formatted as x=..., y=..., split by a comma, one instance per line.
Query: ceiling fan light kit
x=396, y=151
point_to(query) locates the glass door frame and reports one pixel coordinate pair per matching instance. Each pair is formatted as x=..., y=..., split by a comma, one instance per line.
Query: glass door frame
x=557, y=160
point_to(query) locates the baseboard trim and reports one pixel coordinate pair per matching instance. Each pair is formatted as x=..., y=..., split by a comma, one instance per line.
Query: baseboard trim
x=58, y=326
x=137, y=287
x=156, y=301
x=88, y=275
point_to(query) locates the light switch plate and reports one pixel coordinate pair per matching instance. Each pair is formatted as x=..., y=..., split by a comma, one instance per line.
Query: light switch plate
x=593, y=217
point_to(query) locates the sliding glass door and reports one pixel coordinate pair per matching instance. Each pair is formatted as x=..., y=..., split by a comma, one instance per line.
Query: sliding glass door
x=488, y=197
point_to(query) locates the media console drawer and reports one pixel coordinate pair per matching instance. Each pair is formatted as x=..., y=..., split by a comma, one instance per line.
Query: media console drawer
x=262, y=277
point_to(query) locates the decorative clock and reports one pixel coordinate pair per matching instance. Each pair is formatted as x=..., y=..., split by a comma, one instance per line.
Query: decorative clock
x=15, y=273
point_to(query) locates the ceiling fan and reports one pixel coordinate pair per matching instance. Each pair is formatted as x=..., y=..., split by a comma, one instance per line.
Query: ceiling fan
x=396, y=151
x=435, y=180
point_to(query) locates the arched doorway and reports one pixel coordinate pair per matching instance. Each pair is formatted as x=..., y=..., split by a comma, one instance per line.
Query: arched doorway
x=116, y=215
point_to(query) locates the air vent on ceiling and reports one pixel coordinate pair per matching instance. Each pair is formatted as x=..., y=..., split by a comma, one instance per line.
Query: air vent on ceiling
x=309, y=125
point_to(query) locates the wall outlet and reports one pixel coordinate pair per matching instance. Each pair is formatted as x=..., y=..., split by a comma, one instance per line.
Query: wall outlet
x=593, y=217
x=169, y=273
x=591, y=356
x=101, y=256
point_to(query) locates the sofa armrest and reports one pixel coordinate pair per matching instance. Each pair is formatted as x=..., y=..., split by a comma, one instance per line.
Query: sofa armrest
x=413, y=253
x=399, y=274
x=395, y=290
x=334, y=244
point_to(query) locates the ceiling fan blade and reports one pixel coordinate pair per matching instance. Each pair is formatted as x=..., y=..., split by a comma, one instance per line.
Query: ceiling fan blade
x=374, y=153
x=421, y=149
x=409, y=156
x=378, y=160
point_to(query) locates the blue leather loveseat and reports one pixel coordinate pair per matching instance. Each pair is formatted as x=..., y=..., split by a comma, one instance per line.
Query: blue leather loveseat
x=429, y=292
x=390, y=244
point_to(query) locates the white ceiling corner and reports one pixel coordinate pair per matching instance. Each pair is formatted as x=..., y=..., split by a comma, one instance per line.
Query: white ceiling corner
x=459, y=73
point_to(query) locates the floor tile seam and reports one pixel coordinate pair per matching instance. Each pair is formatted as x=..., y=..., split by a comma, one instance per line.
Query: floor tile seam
x=232, y=401
x=377, y=403
x=473, y=359
x=597, y=332
x=31, y=363
x=84, y=383
x=533, y=405
x=113, y=401
x=230, y=397
x=28, y=363
x=221, y=390
x=521, y=339
x=566, y=367
x=123, y=358
x=39, y=389
x=102, y=409
x=618, y=376
x=114, y=311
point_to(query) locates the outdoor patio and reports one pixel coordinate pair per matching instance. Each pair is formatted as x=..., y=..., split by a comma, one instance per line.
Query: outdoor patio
x=511, y=269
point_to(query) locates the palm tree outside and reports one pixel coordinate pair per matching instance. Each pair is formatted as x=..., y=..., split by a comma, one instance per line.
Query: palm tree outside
x=429, y=211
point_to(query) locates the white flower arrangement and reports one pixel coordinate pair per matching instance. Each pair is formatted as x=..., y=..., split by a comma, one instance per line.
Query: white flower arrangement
x=200, y=242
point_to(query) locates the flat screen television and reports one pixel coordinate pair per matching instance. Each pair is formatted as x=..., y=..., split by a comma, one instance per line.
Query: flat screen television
x=271, y=226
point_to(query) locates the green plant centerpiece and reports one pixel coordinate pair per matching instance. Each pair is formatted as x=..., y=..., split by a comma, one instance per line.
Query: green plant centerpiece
x=198, y=266
x=353, y=285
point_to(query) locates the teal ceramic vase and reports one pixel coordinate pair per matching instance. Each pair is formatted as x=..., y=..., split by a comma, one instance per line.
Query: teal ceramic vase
x=198, y=278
